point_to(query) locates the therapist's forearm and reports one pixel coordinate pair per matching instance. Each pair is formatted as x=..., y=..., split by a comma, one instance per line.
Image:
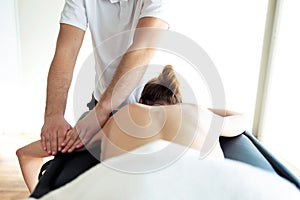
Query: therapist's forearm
x=61, y=70
x=147, y=34
x=59, y=80
x=127, y=76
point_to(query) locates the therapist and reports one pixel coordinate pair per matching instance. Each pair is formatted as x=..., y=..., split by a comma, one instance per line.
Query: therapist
x=105, y=19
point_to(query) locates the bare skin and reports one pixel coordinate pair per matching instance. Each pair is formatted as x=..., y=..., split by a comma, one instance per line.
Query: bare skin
x=31, y=159
x=136, y=125
x=137, y=58
x=59, y=79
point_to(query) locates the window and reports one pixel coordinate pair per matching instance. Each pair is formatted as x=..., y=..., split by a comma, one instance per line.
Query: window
x=231, y=33
x=280, y=128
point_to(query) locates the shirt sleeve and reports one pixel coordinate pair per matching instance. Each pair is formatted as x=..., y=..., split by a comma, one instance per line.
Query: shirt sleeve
x=74, y=13
x=157, y=8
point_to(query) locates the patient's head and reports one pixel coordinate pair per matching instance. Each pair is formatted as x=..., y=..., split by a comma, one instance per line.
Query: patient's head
x=162, y=90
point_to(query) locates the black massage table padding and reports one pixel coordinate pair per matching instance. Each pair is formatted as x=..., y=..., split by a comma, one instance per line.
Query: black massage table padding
x=276, y=164
x=245, y=148
x=242, y=149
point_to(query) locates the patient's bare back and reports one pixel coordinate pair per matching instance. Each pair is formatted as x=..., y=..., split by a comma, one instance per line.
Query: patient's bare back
x=136, y=125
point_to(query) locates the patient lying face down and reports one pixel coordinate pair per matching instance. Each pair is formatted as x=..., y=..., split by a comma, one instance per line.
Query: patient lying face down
x=160, y=114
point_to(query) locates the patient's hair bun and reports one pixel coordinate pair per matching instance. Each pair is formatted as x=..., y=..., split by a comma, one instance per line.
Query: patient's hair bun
x=168, y=79
x=164, y=88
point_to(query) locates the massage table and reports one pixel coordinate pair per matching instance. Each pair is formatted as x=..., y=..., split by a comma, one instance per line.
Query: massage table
x=245, y=148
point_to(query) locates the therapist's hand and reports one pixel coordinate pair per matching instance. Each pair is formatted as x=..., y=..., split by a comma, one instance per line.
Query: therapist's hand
x=53, y=133
x=83, y=131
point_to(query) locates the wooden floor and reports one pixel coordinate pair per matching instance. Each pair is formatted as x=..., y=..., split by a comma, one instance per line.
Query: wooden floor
x=12, y=186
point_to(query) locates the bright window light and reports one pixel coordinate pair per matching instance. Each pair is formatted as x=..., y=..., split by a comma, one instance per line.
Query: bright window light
x=280, y=128
x=231, y=32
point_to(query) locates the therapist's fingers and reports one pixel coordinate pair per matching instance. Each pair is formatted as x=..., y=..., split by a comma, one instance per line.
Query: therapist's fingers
x=48, y=143
x=61, y=135
x=74, y=145
x=46, y=140
x=53, y=144
x=67, y=138
x=73, y=136
x=43, y=141
x=78, y=144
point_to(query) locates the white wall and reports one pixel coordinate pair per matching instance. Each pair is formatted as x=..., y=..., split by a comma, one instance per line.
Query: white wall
x=8, y=65
x=228, y=31
x=39, y=25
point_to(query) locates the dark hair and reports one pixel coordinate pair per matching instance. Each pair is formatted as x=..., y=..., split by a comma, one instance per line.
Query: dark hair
x=165, y=88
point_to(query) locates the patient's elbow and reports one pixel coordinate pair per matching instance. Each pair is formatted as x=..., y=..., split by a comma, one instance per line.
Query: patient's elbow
x=19, y=152
x=234, y=125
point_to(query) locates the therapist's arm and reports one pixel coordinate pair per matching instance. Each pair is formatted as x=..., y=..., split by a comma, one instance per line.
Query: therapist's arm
x=59, y=79
x=127, y=76
x=130, y=70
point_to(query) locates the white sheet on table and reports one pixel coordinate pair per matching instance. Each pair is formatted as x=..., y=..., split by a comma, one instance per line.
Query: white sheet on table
x=187, y=178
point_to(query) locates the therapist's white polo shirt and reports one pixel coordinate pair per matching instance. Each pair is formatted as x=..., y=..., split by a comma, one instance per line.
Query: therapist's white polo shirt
x=106, y=19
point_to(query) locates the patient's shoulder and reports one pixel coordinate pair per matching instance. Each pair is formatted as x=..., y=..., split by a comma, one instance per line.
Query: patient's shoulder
x=182, y=108
x=141, y=113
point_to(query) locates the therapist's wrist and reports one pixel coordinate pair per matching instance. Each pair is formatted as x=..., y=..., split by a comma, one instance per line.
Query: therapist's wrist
x=103, y=111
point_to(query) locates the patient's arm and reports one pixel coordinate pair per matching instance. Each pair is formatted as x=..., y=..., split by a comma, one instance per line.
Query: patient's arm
x=234, y=122
x=31, y=159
